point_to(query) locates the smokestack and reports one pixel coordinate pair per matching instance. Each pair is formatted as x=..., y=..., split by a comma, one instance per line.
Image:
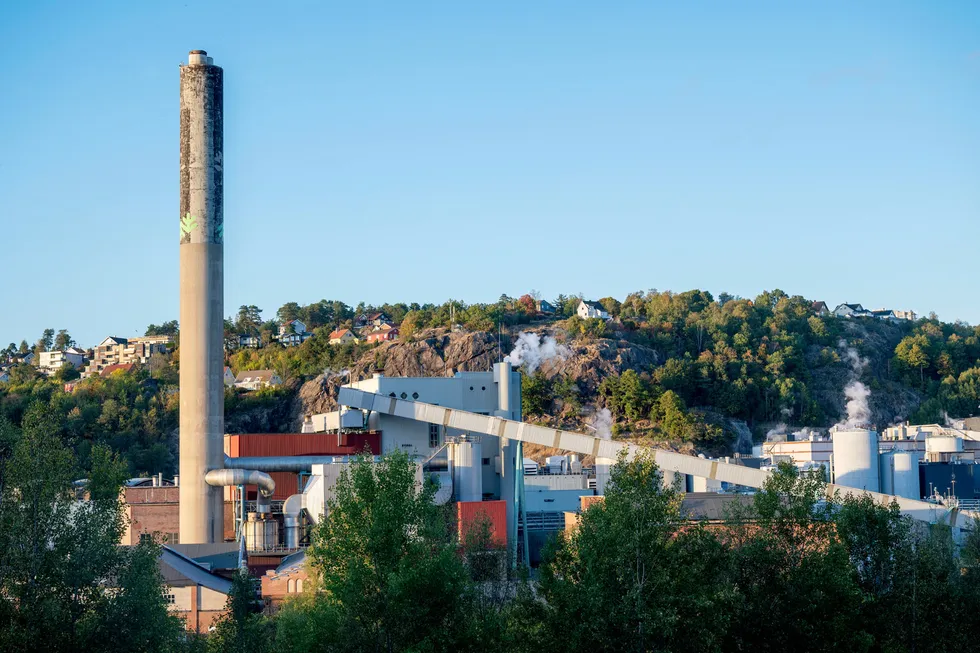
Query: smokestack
x=201, y=298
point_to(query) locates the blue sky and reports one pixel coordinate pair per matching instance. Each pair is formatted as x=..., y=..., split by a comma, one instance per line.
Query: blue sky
x=421, y=151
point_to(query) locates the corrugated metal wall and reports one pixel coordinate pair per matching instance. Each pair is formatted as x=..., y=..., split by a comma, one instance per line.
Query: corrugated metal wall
x=470, y=512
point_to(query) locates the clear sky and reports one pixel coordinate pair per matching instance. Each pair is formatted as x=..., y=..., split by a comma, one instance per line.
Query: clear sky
x=416, y=151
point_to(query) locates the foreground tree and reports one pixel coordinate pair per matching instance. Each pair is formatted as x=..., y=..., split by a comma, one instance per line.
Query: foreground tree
x=65, y=584
x=631, y=578
x=390, y=576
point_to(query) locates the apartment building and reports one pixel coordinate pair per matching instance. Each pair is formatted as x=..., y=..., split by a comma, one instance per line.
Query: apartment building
x=122, y=351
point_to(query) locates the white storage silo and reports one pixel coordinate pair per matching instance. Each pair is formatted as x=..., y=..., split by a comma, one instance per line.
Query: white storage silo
x=603, y=467
x=886, y=472
x=467, y=470
x=906, y=475
x=856, y=459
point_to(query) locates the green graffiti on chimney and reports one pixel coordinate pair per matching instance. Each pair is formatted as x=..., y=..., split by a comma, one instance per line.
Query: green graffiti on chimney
x=188, y=223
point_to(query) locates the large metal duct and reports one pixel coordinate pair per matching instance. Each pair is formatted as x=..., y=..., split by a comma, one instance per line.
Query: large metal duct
x=202, y=392
x=230, y=477
x=294, y=464
x=856, y=459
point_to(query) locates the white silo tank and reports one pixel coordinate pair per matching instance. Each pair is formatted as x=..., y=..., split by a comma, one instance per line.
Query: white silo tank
x=906, y=474
x=856, y=459
x=886, y=472
x=603, y=467
x=467, y=471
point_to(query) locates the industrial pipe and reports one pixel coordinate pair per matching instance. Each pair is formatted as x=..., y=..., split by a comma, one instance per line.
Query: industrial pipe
x=226, y=477
x=283, y=463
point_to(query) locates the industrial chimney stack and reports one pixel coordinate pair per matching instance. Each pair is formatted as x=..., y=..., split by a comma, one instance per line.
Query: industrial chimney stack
x=201, y=298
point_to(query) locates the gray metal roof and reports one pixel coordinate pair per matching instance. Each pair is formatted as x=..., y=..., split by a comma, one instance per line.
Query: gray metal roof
x=180, y=570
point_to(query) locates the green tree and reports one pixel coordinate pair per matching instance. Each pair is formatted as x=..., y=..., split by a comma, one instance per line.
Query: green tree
x=45, y=342
x=243, y=629
x=388, y=571
x=63, y=340
x=58, y=556
x=630, y=578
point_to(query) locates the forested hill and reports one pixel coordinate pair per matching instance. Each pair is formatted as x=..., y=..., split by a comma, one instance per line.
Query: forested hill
x=682, y=368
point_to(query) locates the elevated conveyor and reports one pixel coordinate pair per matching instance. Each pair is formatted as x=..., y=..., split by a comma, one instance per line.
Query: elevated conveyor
x=582, y=443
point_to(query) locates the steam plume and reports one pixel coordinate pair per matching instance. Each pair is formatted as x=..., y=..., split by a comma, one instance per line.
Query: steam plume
x=858, y=410
x=601, y=421
x=531, y=350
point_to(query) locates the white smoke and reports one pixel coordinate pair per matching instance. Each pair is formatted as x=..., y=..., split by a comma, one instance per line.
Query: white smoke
x=805, y=434
x=858, y=409
x=776, y=434
x=531, y=350
x=601, y=422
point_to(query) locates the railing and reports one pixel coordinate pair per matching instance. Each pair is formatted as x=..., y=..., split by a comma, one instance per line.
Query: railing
x=279, y=549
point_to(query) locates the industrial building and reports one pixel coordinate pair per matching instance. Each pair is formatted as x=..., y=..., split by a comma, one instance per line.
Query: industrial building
x=465, y=431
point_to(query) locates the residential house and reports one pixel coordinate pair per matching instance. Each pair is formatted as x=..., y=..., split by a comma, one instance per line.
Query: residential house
x=821, y=309
x=546, y=308
x=371, y=320
x=255, y=379
x=246, y=341
x=26, y=359
x=893, y=316
x=384, y=333
x=229, y=376
x=293, y=333
x=4, y=376
x=851, y=310
x=342, y=337
x=52, y=361
x=116, y=367
x=588, y=310
x=123, y=351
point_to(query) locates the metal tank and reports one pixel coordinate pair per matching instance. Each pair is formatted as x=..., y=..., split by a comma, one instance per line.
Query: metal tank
x=202, y=391
x=261, y=532
x=856, y=459
x=905, y=470
x=467, y=469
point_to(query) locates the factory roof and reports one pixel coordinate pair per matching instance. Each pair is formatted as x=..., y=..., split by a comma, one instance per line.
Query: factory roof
x=179, y=570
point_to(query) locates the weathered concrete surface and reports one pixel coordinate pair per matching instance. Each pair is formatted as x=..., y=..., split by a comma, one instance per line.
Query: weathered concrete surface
x=201, y=300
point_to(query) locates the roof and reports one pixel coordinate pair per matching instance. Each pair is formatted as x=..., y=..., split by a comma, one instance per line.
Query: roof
x=213, y=556
x=817, y=305
x=883, y=312
x=255, y=375
x=115, y=340
x=853, y=307
x=595, y=305
x=339, y=333
x=115, y=367
x=180, y=570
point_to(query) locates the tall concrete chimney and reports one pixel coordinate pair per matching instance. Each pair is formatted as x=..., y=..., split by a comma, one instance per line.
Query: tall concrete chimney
x=202, y=394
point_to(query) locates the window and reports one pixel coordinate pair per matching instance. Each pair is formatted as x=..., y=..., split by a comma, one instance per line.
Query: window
x=146, y=538
x=433, y=436
x=290, y=586
x=299, y=585
x=486, y=461
x=170, y=598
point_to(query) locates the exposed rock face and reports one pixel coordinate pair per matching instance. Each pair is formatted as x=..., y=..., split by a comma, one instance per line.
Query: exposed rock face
x=591, y=362
x=434, y=352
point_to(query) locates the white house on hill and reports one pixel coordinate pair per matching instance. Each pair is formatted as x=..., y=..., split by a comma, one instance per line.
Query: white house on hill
x=588, y=310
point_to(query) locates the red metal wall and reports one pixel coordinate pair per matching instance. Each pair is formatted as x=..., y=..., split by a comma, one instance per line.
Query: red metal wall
x=471, y=512
x=298, y=444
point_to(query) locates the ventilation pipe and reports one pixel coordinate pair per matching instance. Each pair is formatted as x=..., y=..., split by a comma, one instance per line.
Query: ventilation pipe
x=261, y=531
x=278, y=463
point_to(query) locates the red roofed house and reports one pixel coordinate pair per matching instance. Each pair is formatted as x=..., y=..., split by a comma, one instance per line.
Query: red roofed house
x=383, y=333
x=117, y=367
